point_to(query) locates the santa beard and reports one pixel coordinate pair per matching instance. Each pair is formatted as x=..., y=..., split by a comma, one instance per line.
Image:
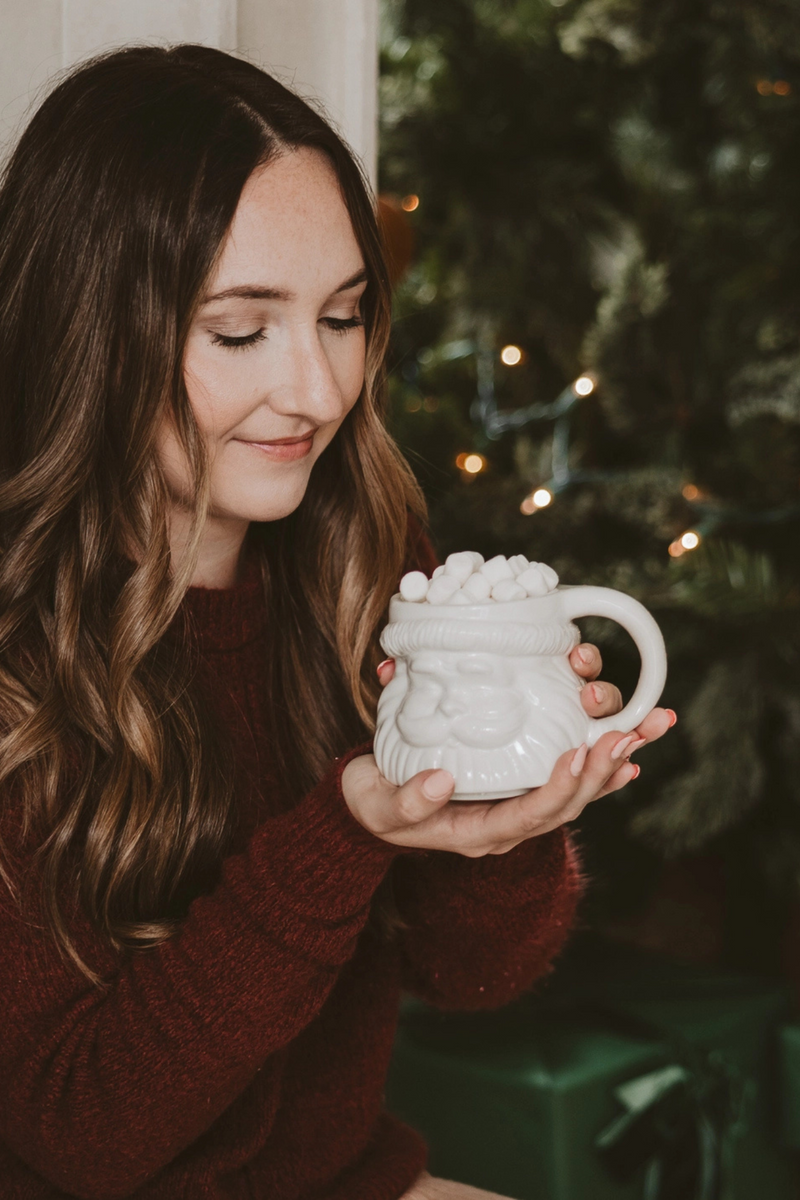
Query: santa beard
x=487, y=774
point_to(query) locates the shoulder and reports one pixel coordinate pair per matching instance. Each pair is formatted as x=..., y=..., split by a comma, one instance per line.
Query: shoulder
x=420, y=552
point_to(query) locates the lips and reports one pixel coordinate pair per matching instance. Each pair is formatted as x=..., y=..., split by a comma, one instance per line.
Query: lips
x=288, y=441
x=284, y=449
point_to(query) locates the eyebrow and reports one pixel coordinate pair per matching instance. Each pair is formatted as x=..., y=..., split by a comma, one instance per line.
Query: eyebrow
x=255, y=292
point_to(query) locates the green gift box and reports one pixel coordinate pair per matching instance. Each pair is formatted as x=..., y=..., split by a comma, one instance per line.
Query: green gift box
x=630, y=1078
x=790, y=1085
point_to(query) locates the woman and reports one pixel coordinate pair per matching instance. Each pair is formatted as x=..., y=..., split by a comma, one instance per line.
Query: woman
x=211, y=898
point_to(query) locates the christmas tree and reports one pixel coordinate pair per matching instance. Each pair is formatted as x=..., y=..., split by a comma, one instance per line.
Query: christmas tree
x=596, y=363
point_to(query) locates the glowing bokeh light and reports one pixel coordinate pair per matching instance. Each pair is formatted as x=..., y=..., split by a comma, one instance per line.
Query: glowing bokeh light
x=474, y=463
x=690, y=492
x=676, y=549
x=584, y=385
x=511, y=355
x=781, y=87
x=410, y=203
x=690, y=540
x=528, y=507
x=542, y=497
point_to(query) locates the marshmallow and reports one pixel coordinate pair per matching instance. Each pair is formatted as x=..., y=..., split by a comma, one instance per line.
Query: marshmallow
x=414, y=586
x=459, y=597
x=437, y=572
x=508, y=589
x=460, y=566
x=441, y=590
x=497, y=568
x=518, y=563
x=550, y=577
x=477, y=588
x=533, y=581
x=476, y=558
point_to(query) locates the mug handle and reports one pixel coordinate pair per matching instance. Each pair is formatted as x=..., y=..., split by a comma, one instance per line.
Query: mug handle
x=587, y=601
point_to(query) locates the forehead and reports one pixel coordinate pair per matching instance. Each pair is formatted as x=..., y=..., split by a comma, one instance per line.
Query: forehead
x=291, y=227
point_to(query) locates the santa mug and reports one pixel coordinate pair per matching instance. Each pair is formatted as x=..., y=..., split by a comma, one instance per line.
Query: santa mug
x=483, y=686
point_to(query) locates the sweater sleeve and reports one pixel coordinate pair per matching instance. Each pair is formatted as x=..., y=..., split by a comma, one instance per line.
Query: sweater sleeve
x=143, y=1066
x=481, y=931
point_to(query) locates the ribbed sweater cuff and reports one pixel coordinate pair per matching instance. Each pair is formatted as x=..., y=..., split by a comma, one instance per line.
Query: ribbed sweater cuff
x=535, y=865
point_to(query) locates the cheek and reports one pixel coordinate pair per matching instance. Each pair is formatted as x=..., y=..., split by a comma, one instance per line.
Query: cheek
x=347, y=360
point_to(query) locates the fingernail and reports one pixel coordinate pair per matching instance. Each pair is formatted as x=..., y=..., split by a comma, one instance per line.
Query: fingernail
x=637, y=770
x=622, y=746
x=673, y=717
x=578, y=760
x=585, y=655
x=637, y=745
x=386, y=662
x=599, y=692
x=437, y=785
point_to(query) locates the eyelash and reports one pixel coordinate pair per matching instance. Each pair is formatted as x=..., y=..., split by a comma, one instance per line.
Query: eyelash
x=336, y=324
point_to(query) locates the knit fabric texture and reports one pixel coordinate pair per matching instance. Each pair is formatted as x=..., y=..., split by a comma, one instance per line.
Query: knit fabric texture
x=246, y=1057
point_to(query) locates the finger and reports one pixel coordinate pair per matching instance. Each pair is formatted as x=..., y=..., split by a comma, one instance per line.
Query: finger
x=656, y=724
x=586, y=661
x=601, y=699
x=537, y=811
x=620, y=779
x=603, y=761
x=385, y=671
x=422, y=796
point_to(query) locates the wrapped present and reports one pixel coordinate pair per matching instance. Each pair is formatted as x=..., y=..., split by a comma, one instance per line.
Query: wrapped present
x=629, y=1078
x=789, y=1068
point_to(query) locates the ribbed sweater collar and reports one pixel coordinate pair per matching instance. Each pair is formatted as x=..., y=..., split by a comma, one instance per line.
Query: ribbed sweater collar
x=229, y=618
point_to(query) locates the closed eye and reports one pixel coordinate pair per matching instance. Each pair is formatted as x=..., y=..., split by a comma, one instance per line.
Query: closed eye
x=236, y=343
x=341, y=324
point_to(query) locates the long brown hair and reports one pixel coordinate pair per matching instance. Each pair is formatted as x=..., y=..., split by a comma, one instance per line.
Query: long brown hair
x=113, y=211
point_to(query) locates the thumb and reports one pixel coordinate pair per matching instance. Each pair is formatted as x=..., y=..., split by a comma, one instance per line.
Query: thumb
x=423, y=794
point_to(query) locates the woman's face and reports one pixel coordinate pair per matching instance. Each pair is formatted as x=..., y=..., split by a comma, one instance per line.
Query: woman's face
x=275, y=356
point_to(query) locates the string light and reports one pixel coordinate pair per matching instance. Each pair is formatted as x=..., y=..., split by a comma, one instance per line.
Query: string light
x=409, y=203
x=511, y=355
x=542, y=497
x=527, y=508
x=690, y=540
x=584, y=385
x=690, y=492
x=781, y=87
x=773, y=87
x=473, y=464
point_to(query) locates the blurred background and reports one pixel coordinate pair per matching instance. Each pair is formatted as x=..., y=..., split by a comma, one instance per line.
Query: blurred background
x=591, y=213
x=591, y=207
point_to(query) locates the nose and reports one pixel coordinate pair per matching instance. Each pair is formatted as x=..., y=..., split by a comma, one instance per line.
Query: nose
x=307, y=386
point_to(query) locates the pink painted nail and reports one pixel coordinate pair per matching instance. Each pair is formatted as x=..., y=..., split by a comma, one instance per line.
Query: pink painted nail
x=578, y=760
x=673, y=717
x=637, y=770
x=637, y=745
x=599, y=692
x=385, y=663
x=622, y=746
x=585, y=655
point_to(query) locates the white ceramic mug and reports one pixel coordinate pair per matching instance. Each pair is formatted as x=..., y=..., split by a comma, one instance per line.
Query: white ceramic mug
x=487, y=692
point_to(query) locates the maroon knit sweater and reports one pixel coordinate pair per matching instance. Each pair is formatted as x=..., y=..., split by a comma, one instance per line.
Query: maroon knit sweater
x=247, y=1056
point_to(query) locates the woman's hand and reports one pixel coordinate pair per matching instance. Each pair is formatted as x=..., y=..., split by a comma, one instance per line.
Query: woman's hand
x=418, y=813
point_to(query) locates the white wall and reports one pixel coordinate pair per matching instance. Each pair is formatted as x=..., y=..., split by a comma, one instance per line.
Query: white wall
x=327, y=49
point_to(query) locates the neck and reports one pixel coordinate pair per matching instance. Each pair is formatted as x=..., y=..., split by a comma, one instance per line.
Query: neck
x=220, y=557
